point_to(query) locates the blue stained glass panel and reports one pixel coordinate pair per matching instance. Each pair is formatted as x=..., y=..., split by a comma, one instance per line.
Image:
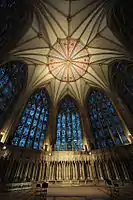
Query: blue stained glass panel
x=122, y=78
x=107, y=128
x=12, y=81
x=34, y=119
x=68, y=128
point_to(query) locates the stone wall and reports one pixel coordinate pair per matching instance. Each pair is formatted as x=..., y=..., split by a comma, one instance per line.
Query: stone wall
x=21, y=165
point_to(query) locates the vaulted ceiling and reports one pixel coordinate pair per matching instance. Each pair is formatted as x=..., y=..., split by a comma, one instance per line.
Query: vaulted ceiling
x=68, y=48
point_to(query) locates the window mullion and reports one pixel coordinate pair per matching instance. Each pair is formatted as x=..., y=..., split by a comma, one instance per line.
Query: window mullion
x=76, y=120
x=66, y=131
x=60, y=130
x=31, y=125
x=71, y=131
x=41, y=127
x=36, y=128
x=112, y=124
x=23, y=127
x=103, y=113
x=107, y=123
x=99, y=119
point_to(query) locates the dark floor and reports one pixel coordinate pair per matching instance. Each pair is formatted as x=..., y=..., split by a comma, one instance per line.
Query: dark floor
x=71, y=193
x=59, y=193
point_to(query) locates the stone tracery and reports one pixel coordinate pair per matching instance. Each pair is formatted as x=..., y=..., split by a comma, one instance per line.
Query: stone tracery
x=83, y=59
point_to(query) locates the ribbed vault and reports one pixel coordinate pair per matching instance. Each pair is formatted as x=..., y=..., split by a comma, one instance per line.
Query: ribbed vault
x=83, y=21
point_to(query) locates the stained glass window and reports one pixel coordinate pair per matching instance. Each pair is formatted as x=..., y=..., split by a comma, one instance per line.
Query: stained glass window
x=122, y=77
x=32, y=127
x=68, y=131
x=13, y=77
x=107, y=128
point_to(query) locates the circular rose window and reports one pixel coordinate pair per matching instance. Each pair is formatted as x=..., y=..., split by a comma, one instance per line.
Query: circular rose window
x=68, y=60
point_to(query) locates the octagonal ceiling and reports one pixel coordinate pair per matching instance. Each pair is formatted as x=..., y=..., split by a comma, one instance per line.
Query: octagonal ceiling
x=68, y=48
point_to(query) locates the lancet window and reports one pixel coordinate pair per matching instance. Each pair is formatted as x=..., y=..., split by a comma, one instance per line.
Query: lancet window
x=69, y=130
x=106, y=126
x=31, y=130
x=13, y=78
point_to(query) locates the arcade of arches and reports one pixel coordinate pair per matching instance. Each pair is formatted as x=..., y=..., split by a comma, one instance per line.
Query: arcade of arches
x=66, y=91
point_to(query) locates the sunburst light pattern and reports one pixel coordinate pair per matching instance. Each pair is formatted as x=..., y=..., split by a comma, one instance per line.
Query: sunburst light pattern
x=68, y=60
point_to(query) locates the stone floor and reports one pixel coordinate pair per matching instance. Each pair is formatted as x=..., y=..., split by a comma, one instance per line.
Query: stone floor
x=59, y=193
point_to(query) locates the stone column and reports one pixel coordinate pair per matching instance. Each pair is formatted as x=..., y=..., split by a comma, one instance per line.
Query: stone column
x=22, y=169
x=12, y=174
x=40, y=171
x=91, y=173
x=100, y=172
x=73, y=171
x=18, y=171
x=96, y=170
x=36, y=170
x=92, y=170
x=80, y=171
x=124, y=172
x=69, y=170
x=59, y=171
x=115, y=170
x=11, y=164
x=121, y=171
x=26, y=171
x=83, y=171
x=30, y=171
x=51, y=131
x=87, y=170
x=47, y=171
x=63, y=171
x=53, y=171
x=50, y=172
x=66, y=168
x=76, y=171
x=33, y=172
x=107, y=170
x=86, y=128
x=116, y=167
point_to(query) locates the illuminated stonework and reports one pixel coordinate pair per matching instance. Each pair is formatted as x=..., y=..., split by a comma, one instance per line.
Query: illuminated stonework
x=68, y=60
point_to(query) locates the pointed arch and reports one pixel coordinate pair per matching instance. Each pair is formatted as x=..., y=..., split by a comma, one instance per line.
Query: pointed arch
x=107, y=128
x=31, y=130
x=68, y=126
x=13, y=79
x=121, y=76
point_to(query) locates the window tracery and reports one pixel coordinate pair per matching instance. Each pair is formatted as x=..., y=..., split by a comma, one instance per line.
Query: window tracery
x=122, y=77
x=68, y=131
x=32, y=127
x=107, y=128
x=13, y=77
